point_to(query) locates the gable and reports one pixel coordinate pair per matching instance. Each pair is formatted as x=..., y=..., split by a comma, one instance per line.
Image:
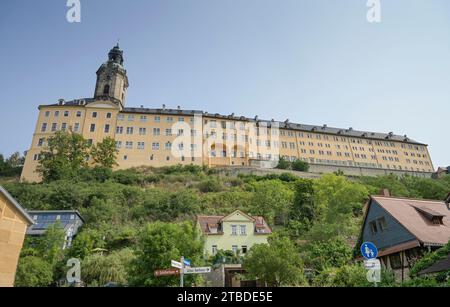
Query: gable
x=238, y=216
x=394, y=233
x=102, y=105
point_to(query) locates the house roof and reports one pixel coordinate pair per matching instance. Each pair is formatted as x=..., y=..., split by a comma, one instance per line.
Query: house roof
x=344, y=132
x=207, y=222
x=439, y=266
x=38, y=212
x=17, y=205
x=416, y=216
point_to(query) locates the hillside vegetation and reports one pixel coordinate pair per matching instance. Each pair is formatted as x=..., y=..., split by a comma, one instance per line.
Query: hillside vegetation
x=139, y=219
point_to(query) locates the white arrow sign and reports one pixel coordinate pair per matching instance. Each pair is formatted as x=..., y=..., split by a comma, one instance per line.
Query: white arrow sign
x=199, y=270
x=176, y=264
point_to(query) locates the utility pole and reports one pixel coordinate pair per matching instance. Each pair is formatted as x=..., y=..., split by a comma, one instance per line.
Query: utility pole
x=182, y=272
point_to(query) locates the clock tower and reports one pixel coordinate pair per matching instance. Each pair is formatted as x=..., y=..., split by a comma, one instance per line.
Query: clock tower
x=112, y=80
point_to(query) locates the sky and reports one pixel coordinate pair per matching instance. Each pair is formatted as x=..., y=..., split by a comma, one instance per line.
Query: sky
x=310, y=61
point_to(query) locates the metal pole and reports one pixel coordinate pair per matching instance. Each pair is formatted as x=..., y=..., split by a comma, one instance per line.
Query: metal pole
x=182, y=272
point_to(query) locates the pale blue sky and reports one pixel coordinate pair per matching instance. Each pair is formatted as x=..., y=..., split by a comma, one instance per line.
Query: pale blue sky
x=312, y=61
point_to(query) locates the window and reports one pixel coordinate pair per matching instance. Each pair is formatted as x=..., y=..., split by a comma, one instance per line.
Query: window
x=141, y=145
x=47, y=113
x=373, y=227
x=120, y=117
x=118, y=144
x=157, y=119
x=63, y=126
x=382, y=224
x=130, y=118
x=76, y=127
x=106, y=128
x=129, y=130
x=129, y=145
x=119, y=130
x=94, y=114
x=168, y=132
x=168, y=146
x=169, y=119
x=244, y=249
x=66, y=113
x=56, y=113
x=214, y=250
x=92, y=129
x=143, y=119
x=78, y=113
x=40, y=142
x=234, y=230
x=44, y=127
x=243, y=229
x=234, y=248
x=106, y=89
x=142, y=131
x=156, y=131
x=108, y=115
x=155, y=146
x=54, y=127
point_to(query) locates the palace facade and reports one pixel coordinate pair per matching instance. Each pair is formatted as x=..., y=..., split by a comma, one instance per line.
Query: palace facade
x=164, y=136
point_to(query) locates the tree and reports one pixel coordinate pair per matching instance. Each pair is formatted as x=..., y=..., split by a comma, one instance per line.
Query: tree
x=98, y=270
x=50, y=245
x=276, y=263
x=33, y=272
x=159, y=243
x=105, y=153
x=320, y=255
x=66, y=153
x=271, y=199
x=338, y=204
x=303, y=208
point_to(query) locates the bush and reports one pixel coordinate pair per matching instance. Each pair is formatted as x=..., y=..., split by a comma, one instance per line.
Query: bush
x=33, y=272
x=300, y=166
x=283, y=164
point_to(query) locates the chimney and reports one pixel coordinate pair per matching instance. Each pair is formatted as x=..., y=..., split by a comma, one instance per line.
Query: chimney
x=163, y=106
x=61, y=101
x=385, y=192
x=179, y=108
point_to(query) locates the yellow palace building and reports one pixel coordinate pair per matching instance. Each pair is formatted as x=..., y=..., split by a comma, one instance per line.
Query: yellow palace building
x=164, y=136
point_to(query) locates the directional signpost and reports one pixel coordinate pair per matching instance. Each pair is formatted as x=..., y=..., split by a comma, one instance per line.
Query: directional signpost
x=373, y=265
x=176, y=264
x=199, y=270
x=167, y=272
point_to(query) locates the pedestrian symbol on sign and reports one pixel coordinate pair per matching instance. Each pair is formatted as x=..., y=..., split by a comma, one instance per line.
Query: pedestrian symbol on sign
x=369, y=250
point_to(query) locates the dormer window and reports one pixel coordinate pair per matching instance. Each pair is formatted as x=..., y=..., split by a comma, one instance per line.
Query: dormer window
x=434, y=217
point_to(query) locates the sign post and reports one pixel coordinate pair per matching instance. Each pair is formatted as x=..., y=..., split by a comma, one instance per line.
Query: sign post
x=182, y=273
x=373, y=265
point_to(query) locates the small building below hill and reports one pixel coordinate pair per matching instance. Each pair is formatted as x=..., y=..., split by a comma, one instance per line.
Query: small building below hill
x=70, y=220
x=404, y=229
x=237, y=232
x=14, y=221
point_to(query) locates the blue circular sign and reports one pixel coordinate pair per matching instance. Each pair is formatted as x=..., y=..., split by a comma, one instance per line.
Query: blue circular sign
x=369, y=250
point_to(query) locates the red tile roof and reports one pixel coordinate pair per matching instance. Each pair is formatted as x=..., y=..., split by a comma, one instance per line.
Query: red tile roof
x=207, y=222
x=417, y=217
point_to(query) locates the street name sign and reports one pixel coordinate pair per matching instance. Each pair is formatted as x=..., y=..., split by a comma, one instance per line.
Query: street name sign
x=176, y=264
x=167, y=272
x=199, y=270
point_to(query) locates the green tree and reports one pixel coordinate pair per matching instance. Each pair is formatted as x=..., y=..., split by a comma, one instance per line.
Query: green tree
x=98, y=270
x=159, y=243
x=33, y=272
x=105, y=153
x=320, y=255
x=303, y=208
x=276, y=264
x=271, y=199
x=50, y=245
x=65, y=154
